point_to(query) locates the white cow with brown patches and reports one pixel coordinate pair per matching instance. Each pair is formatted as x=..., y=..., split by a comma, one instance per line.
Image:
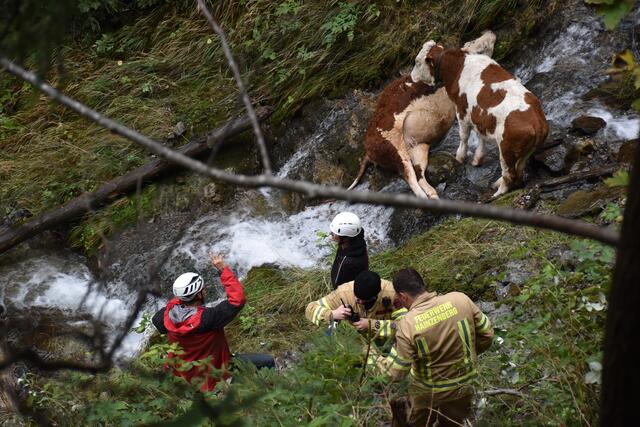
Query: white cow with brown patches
x=489, y=100
x=411, y=117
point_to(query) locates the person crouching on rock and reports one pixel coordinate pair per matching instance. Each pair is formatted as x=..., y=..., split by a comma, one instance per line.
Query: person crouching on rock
x=367, y=303
x=198, y=329
x=351, y=258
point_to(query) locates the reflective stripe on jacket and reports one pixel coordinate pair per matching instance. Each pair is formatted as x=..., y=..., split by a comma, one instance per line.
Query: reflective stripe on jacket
x=438, y=341
x=383, y=313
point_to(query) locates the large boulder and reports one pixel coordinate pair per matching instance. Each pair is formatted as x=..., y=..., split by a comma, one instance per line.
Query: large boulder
x=587, y=125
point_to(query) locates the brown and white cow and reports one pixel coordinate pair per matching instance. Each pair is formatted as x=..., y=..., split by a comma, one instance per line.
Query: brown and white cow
x=489, y=100
x=411, y=117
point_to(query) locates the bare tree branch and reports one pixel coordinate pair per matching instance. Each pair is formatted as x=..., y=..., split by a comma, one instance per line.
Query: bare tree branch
x=551, y=222
x=266, y=163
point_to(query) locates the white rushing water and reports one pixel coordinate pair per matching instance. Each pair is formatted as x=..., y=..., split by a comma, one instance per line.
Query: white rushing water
x=285, y=240
x=622, y=127
x=63, y=281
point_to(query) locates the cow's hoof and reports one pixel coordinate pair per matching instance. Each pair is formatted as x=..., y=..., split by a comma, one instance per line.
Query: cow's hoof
x=497, y=184
x=433, y=196
x=499, y=193
x=461, y=158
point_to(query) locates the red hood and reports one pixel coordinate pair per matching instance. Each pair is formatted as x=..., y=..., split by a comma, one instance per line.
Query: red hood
x=187, y=326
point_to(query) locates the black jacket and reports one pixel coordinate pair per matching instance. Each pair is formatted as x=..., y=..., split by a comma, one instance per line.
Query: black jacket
x=351, y=260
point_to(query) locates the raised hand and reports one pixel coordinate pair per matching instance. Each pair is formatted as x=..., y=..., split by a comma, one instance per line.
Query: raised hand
x=217, y=261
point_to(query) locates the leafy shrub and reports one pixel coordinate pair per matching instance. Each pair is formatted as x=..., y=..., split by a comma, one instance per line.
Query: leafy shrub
x=549, y=347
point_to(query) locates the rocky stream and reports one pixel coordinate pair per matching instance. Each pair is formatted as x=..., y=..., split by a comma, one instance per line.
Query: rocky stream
x=564, y=66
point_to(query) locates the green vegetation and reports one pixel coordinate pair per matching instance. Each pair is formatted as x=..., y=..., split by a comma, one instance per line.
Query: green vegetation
x=155, y=63
x=612, y=10
x=548, y=346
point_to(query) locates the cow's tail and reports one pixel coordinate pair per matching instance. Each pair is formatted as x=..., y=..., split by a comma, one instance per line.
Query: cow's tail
x=363, y=168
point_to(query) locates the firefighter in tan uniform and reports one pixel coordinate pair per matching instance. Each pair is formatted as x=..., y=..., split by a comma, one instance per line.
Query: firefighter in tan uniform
x=367, y=297
x=437, y=342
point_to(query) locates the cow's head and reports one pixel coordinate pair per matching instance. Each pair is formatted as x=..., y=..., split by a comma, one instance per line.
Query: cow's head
x=424, y=68
x=483, y=45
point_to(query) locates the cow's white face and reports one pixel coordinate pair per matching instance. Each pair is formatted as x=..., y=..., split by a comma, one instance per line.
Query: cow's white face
x=421, y=71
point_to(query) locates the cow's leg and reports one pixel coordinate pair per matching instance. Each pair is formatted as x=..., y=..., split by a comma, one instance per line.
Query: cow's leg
x=465, y=129
x=409, y=175
x=415, y=136
x=420, y=159
x=478, y=157
x=508, y=162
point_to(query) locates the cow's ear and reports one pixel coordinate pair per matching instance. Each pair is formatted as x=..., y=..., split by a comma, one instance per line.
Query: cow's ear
x=430, y=60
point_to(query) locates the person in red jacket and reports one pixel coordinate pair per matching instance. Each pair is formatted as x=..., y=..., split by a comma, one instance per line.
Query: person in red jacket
x=198, y=329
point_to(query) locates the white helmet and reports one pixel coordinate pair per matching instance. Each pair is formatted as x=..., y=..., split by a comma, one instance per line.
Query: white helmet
x=346, y=224
x=187, y=286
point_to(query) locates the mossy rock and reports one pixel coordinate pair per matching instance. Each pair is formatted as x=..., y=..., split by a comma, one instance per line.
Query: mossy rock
x=442, y=167
x=327, y=173
x=627, y=151
x=588, y=202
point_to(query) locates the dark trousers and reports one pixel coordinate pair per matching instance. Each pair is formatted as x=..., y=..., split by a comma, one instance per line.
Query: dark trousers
x=259, y=360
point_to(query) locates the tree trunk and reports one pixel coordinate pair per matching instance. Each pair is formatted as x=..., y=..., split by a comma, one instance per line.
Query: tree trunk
x=118, y=186
x=621, y=367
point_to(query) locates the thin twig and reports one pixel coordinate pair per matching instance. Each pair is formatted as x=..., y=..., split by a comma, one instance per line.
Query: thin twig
x=551, y=222
x=509, y=391
x=243, y=91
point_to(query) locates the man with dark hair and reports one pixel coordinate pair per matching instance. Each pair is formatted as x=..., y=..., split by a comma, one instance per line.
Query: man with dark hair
x=367, y=302
x=438, y=341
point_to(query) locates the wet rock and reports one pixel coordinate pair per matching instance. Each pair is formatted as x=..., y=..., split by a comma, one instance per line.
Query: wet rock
x=494, y=310
x=587, y=125
x=406, y=223
x=519, y=271
x=583, y=202
x=561, y=193
x=482, y=177
x=441, y=169
x=211, y=193
x=555, y=158
x=627, y=152
x=292, y=202
x=179, y=129
x=332, y=131
x=512, y=277
x=53, y=333
x=507, y=290
x=327, y=173
x=585, y=147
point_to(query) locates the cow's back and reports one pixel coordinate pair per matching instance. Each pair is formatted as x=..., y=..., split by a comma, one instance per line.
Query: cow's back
x=500, y=107
x=384, y=134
